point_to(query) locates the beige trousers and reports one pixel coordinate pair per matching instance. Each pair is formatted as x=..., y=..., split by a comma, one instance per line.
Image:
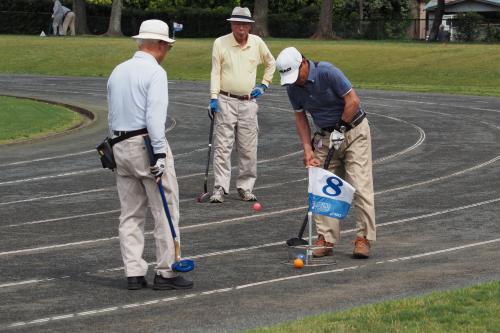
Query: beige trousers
x=69, y=21
x=236, y=122
x=352, y=162
x=137, y=190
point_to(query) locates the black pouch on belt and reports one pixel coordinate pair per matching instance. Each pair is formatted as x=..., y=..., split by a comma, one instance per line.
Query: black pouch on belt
x=105, y=150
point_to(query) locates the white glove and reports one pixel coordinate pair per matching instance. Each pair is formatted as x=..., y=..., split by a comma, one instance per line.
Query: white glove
x=159, y=167
x=336, y=139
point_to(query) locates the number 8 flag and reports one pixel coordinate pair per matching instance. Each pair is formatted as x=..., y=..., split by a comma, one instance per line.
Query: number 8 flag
x=329, y=195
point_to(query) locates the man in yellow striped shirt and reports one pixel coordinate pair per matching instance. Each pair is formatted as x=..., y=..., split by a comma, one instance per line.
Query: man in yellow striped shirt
x=233, y=94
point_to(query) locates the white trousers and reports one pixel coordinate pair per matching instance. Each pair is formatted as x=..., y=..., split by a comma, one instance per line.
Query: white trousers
x=137, y=190
x=236, y=122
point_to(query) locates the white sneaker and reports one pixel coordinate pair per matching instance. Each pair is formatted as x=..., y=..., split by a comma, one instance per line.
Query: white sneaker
x=246, y=195
x=217, y=195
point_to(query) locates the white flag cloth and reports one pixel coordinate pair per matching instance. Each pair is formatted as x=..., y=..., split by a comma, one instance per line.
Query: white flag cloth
x=329, y=194
x=178, y=26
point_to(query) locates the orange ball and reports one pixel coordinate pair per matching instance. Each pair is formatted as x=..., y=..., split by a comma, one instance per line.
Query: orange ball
x=298, y=263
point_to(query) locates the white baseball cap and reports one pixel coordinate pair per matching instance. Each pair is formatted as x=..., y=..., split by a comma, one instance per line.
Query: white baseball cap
x=288, y=63
x=154, y=29
x=240, y=14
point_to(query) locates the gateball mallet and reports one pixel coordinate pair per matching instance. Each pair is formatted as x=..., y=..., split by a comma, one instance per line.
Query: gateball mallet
x=203, y=196
x=180, y=265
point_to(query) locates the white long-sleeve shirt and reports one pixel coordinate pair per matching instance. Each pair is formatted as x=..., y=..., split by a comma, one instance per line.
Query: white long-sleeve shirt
x=138, y=98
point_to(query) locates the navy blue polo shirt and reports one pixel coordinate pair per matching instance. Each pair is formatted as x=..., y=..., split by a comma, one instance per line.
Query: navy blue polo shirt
x=322, y=95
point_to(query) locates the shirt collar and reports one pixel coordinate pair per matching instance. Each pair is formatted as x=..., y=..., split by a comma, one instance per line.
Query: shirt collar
x=313, y=72
x=145, y=56
x=235, y=43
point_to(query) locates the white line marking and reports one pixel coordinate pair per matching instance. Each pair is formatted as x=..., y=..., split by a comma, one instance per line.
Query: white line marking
x=62, y=218
x=108, y=211
x=48, y=158
x=431, y=103
x=420, y=140
x=88, y=171
x=245, y=286
x=58, y=196
x=66, y=174
x=458, y=173
x=243, y=249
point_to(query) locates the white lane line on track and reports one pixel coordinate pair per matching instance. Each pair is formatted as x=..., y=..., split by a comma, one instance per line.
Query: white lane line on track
x=458, y=173
x=59, y=195
x=432, y=180
x=380, y=160
x=243, y=249
x=420, y=140
x=66, y=174
x=48, y=158
x=88, y=171
x=432, y=103
x=91, y=312
x=377, y=161
x=108, y=211
x=436, y=179
x=379, y=225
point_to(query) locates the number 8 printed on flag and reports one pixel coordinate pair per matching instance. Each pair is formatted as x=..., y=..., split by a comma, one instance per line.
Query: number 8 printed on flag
x=329, y=194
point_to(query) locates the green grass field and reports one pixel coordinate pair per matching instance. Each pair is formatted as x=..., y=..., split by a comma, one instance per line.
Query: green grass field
x=472, y=69
x=23, y=119
x=472, y=309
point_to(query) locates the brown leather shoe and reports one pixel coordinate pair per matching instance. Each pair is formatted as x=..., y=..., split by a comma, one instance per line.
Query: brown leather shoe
x=361, y=248
x=326, y=248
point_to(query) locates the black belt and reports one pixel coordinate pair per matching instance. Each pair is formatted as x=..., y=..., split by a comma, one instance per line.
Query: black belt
x=242, y=98
x=358, y=118
x=124, y=135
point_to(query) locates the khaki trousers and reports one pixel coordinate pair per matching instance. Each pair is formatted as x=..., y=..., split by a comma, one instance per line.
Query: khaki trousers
x=137, y=190
x=69, y=21
x=352, y=162
x=236, y=121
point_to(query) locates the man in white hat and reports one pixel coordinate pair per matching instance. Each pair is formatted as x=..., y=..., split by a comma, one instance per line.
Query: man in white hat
x=326, y=94
x=138, y=101
x=233, y=94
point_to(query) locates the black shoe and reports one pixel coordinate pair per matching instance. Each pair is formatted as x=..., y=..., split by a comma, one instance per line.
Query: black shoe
x=136, y=282
x=177, y=282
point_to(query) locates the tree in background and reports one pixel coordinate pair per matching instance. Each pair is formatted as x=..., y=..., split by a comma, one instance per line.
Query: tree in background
x=261, y=9
x=80, y=11
x=438, y=17
x=324, y=30
x=115, y=19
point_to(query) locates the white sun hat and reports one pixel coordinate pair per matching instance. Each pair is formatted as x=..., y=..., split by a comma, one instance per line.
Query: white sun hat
x=154, y=29
x=240, y=14
x=287, y=64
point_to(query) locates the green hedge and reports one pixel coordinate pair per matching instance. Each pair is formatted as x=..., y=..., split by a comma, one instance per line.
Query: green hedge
x=33, y=16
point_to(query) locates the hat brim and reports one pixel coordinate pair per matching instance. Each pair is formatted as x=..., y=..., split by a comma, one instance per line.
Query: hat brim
x=236, y=19
x=289, y=77
x=149, y=35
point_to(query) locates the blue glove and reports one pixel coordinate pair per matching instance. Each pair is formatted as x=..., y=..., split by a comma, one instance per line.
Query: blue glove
x=214, y=106
x=258, y=90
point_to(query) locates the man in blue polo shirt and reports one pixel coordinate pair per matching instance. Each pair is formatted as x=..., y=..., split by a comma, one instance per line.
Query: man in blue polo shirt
x=326, y=94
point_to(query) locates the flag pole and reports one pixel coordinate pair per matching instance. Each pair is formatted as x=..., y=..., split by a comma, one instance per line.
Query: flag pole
x=309, y=221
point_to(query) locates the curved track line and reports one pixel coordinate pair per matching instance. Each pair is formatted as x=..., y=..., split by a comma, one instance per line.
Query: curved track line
x=432, y=103
x=420, y=140
x=99, y=311
x=171, y=127
x=243, y=249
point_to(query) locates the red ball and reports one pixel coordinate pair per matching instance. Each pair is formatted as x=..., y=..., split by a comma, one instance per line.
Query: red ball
x=257, y=207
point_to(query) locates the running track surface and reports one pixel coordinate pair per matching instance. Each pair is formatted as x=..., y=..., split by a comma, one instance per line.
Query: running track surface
x=436, y=171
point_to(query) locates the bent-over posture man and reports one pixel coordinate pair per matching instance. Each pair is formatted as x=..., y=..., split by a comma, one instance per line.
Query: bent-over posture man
x=63, y=18
x=233, y=94
x=326, y=94
x=138, y=101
